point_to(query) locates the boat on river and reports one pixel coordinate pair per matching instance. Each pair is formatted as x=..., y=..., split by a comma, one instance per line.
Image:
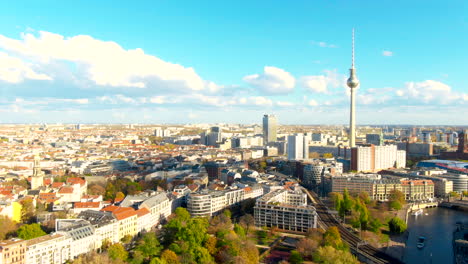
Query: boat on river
x=417, y=212
x=421, y=242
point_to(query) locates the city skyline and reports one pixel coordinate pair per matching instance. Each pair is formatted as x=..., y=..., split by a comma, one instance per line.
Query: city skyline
x=153, y=63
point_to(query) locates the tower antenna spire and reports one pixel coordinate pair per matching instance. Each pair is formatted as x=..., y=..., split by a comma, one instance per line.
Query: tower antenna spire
x=352, y=65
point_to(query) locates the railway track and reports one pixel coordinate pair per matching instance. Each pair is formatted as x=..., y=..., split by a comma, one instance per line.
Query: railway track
x=355, y=243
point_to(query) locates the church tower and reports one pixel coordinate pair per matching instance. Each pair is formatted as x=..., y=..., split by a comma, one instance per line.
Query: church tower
x=37, y=180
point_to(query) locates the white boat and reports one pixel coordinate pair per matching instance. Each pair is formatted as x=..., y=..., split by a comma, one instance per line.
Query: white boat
x=417, y=212
x=421, y=242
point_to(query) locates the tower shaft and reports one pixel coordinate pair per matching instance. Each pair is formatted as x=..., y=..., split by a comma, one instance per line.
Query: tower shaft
x=352, y=120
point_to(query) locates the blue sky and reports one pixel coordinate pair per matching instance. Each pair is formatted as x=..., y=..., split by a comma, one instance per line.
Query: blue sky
x=232, y=61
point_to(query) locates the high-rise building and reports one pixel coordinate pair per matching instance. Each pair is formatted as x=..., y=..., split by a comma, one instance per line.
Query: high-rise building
x=353, y=83
x=298, y=147
x=374, y=158
x=269, y=128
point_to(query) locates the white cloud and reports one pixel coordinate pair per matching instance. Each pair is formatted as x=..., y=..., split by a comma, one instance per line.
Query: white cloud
x=323, y=44
x=284, y=103
x=312, y=102
x=322, y=83
x=387, y=53
x=157, y=100
x=104, y=63
x=272, y=81
x=15, y=70
x=430, y=91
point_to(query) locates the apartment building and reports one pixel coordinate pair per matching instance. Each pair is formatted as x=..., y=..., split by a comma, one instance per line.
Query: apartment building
x=49, y=249
x=208, y=203
x=127, y=219
x=13, y=251
x=285, y=209
x=380, y=189
x=375, y=158
x=105, y=225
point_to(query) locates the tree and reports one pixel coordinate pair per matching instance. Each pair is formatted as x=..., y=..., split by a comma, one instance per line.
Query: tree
x=397, y=195
x=396, y=225
x=96, y=189
x=454, y=194
x=247, y=221
x=169, y=257
x=330, y=255
x=7, y=225
x=336, y=198
x=219, y=223
x=239, y=230
x=117, y=251
x=27, y=210
x=295, y=257
x=364, y=196
x=332, y=237
x=306, y=247
x=119, y=196
x=210, y=244
x=149, y=246
x=347, y=201
x=374, y=225
x=396, y=205
x=30, y=231
x=465, y=193
x=95, y=258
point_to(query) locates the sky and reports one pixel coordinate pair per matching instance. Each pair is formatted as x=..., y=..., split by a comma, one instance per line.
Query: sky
x=172, y=61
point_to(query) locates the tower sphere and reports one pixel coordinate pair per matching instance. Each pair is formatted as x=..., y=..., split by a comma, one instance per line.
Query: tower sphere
x=353, y=81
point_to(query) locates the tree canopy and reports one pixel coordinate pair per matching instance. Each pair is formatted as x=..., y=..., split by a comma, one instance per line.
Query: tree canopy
x=30, y=231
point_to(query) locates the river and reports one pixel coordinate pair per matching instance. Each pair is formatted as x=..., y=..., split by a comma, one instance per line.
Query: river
x=437, y=226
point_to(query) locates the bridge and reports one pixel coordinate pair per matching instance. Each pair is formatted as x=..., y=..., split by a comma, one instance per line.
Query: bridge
x=365, y=252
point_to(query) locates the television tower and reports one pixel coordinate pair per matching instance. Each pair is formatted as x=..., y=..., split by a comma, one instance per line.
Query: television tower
x=353, y=83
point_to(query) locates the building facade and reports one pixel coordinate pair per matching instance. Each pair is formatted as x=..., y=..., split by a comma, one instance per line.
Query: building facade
x=13, y=251
x=298, y=147
x=269, y=128
x=286, y=210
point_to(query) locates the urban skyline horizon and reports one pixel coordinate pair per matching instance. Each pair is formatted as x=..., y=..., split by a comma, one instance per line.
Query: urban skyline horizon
x=161, y=66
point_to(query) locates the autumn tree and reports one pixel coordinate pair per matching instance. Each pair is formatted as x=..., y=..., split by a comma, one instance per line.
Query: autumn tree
x=117, y=251
x=247, y=221
x=8, y=227
x=96, y=189
x=330, y=255
x=332, y=238
x=95, y=258
x=169, y=257
x=27, y=210
x=306, y=247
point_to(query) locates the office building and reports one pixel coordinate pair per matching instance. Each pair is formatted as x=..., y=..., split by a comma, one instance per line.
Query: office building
x=298, y=147
x=269, y=128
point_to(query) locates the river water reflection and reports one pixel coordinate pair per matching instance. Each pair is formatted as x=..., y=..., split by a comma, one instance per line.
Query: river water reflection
x=437, y=226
